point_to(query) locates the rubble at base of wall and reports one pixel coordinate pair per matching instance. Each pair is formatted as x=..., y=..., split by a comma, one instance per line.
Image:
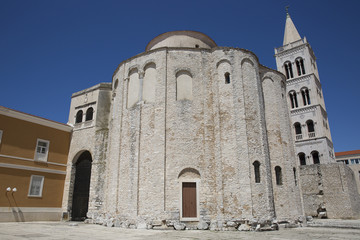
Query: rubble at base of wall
x=213, y=225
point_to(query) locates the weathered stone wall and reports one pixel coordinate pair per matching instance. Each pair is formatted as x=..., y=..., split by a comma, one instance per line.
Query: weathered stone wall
x=330, y=188
x=154, y=146
x=89, y=136
x=281, y=147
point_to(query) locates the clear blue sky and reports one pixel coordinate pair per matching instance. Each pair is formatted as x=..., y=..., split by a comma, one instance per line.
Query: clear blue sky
x=51, y=49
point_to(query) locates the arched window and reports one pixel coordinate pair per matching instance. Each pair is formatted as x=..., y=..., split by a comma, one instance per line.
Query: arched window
x=300, y=66
x=311, y=129
x=298, y=134
x=288, y=70
x=89, y=114
x=133, y=88
x=302, y=158
x=295, y=179
x=293, y=99
x=79, y=116
x=257, y=171
x=305, y=96
x=315, y=156
x=278, y=175
x=116, y=84
x=183, y=86
x=227, y=78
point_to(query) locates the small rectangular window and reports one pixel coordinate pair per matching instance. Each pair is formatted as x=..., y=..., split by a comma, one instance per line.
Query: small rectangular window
x=42, y=149
x=1, y=135
x=36, y=186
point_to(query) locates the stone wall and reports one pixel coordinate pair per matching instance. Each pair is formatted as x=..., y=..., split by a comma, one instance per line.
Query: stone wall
x=218, y=132
x=330, y=188
x=144, y=151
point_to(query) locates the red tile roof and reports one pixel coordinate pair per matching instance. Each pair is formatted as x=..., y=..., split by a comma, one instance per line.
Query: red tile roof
x=338, y=154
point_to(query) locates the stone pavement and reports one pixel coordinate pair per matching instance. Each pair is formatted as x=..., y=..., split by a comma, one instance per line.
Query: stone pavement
x=64, y=230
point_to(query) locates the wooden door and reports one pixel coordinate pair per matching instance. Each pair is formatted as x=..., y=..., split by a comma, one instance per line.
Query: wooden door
x=189, y=200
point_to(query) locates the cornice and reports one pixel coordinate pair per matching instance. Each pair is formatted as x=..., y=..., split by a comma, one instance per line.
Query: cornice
x=291, y=50
x=303, y=110
x=34, y=119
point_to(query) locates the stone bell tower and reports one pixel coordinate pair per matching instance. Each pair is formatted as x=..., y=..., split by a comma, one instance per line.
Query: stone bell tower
x=311, y=131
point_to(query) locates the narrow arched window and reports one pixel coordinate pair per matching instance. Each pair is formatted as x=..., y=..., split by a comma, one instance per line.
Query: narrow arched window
x=298, y=134
x=311, y=129
x=79, y=116
x=288, y=70
x=257, y=171
x=302, y=158
x=89, y=114
x=278, y=175
x=293, y=99
x=300, y=66
x=305, y=96
x=315, y=156
x=227, y=78
x=295, y=178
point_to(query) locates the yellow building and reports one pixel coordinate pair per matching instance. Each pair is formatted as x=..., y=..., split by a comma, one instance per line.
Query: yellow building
x=33, y=157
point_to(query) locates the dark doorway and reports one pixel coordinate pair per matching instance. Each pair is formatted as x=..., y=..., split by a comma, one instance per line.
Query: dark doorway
x=81, y=187
x=189, y=200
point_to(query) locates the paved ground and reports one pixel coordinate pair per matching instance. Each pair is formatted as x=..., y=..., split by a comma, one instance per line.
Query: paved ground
x=63, y=230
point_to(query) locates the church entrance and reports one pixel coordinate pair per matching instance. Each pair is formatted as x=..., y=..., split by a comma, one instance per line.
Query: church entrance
x=81, y=187
x=189, y=200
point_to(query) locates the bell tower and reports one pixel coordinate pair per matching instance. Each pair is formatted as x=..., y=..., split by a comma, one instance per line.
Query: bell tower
x=310, y=125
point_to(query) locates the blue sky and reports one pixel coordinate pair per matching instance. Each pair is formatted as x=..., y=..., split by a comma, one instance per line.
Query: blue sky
x=51, y=49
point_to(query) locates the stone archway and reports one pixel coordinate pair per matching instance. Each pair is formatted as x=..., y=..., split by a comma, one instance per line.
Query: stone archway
x=80, y=200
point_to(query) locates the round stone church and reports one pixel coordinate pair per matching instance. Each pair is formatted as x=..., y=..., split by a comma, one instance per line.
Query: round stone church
x=187, y=135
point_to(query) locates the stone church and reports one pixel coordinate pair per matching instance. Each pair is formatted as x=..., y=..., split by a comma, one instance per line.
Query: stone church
x=191, y=134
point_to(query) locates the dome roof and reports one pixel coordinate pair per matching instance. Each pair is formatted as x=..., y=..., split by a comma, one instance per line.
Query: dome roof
x=187, y=39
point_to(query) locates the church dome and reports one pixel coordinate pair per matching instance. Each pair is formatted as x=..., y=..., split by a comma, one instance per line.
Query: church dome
x=187, y=39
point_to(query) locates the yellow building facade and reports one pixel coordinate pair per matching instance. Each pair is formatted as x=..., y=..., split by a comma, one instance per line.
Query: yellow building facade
x=33, y=157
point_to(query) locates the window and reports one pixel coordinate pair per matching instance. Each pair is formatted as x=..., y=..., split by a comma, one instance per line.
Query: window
x=295, y=179
x=41, y=151
x=89, y=114
x=278, y=175
x=257, y=171
x=36, y=186
x=288, y=70
x=302, y=158
x=1, y=132
x=293, y=99
x=227, y=78
x=315, y=156
x=300, y=66
x=298, y=134
x=79, y=116
x=305, y=96
x=116, y=84
x=311, y=129
x=355, y=161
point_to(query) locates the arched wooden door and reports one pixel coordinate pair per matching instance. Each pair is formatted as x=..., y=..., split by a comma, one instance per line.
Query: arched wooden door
x=81, y=187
